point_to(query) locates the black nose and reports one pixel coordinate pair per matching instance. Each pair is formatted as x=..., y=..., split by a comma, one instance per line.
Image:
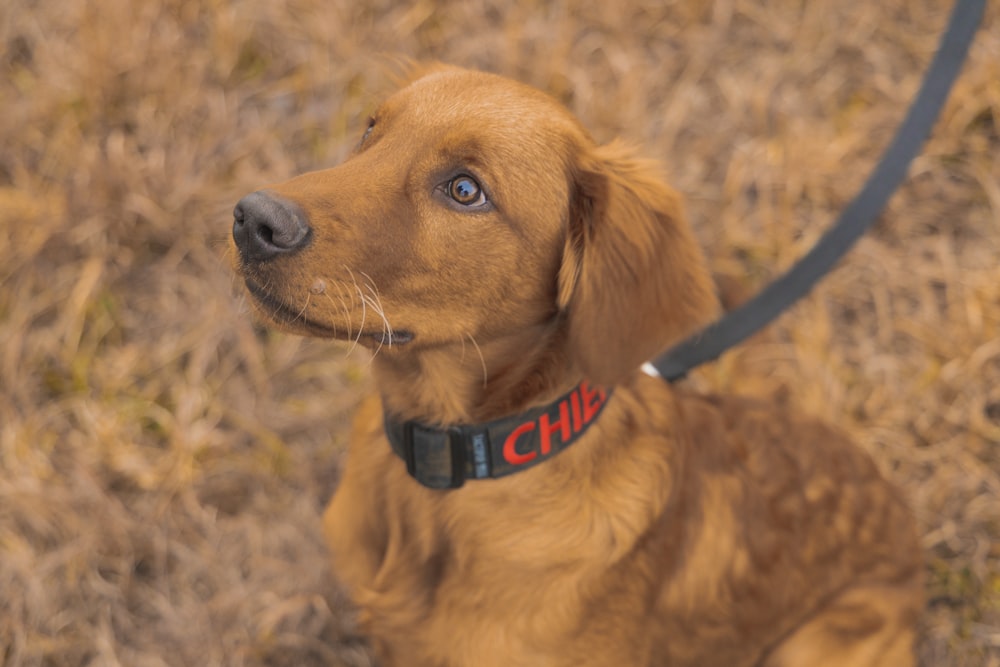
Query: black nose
x=265, y=226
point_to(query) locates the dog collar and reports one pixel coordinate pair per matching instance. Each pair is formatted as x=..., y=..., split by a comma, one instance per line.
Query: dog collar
x=443, y=458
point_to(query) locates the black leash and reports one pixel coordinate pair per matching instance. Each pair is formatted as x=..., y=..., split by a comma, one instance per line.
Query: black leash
x=855, y=219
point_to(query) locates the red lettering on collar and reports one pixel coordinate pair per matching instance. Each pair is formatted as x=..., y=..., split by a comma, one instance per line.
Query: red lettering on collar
x=575, y=402
x=510, y=453
x=546, y=429
x=593, y=399
x=575, y=412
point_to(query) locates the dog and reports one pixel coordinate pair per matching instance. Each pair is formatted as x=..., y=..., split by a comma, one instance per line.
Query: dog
x=518, y=491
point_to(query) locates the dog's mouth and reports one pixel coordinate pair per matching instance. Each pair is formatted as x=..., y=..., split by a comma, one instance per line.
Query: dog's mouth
x=283, y=313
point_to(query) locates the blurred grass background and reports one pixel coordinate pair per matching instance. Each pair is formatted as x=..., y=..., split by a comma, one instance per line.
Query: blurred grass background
x=163, y=462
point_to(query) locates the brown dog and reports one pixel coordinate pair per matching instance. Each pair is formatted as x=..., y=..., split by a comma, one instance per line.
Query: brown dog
x=512, y=276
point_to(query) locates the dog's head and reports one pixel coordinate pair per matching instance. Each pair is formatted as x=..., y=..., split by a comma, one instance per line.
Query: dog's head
x=478, y=207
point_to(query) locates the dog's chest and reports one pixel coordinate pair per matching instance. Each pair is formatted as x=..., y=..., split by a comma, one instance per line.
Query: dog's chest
x=488, y=581
x=515, y=616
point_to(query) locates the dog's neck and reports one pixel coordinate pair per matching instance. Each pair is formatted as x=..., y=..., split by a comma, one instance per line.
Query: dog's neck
x=465, y=382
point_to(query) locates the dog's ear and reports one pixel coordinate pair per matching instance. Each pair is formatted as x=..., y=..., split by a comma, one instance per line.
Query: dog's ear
x=633, y=279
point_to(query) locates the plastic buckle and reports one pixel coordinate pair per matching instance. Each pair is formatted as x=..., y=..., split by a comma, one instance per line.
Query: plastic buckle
x=436, y=459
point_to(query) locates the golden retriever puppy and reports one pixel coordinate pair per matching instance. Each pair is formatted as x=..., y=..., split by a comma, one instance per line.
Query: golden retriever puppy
x=518, y=491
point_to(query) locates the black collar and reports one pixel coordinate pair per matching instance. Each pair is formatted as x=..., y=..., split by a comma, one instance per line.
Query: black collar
x=443, y=458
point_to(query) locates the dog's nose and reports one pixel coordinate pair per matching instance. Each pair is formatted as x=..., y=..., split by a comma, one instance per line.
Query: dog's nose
x=266, y=226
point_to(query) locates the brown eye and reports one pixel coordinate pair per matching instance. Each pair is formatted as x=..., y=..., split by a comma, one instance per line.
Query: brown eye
x=466, y=191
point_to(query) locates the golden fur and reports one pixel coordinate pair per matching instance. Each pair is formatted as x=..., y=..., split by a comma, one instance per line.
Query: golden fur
x=682, y=529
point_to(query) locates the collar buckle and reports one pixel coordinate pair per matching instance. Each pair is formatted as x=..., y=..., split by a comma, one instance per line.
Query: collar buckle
x=435, y=458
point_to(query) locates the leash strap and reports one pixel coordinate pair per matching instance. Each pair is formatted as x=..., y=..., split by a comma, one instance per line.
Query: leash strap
x=856, y=218
x=443, y=458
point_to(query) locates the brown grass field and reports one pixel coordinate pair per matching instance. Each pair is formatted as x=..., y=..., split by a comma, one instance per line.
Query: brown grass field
x=164, y=460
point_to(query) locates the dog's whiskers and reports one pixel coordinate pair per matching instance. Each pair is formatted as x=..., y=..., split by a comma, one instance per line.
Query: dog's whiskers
x=302, y=311
x=364, y=309
x=353, y=280
x=344, y=308
x=364, y=316
x=479, y=351
x=374, y=300
x=364, y=296
x=274, y=314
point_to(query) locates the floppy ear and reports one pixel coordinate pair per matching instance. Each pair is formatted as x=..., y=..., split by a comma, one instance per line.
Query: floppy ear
x=633, y=279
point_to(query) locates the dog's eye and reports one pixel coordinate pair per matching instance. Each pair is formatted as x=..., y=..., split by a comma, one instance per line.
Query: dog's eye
x=368, y=130
x=466, y=191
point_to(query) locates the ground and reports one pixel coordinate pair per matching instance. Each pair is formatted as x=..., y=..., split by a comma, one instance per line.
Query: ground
x=164, y=460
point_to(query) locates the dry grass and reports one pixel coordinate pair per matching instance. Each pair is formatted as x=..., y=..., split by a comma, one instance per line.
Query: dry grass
x=163, y=463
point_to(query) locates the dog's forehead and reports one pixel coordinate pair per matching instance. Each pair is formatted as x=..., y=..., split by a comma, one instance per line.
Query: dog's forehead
x=453, y=98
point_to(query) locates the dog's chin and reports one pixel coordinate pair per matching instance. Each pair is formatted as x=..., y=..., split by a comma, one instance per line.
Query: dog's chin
x=284, y=317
